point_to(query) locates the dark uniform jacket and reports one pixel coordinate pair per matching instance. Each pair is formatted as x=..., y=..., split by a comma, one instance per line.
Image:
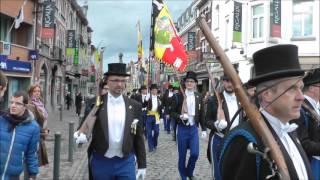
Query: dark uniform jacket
x=211, y=117
x=167, y=102
x=138, y=98
x=149, y=105
x=308, y=131
x=132, y=143
x=177, y=107
x=237, y=163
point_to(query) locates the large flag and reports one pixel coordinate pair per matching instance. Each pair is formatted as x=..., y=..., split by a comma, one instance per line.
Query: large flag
x=166, y=44
x=140, y=48
x=19, y=18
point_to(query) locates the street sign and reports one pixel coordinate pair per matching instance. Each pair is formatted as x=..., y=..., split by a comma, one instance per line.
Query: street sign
x=209, y=57
x=6, y=48
x=33, y=55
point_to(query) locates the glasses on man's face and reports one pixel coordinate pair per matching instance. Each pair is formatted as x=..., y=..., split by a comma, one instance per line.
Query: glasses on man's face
x=118, y=80
x=16, y=103
x=190, y=81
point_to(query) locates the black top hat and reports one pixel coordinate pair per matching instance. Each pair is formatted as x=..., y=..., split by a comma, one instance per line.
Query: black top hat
x=143, y=87
x=275, y=62
x=191, y=75
x=313, y=77
x=153, y=86
x=118, y=69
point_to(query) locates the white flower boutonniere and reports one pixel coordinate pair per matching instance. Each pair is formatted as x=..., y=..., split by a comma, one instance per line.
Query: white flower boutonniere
x=134, y=126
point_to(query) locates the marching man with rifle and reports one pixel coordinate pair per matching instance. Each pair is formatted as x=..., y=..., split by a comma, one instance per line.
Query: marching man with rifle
x=278, y=80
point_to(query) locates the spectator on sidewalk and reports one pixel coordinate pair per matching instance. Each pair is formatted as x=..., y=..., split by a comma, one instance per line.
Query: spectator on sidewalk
x=3, y=88
x=68, y=100
x=117, y=135
x=36, y=106
x=78, y=103
x=19, y=140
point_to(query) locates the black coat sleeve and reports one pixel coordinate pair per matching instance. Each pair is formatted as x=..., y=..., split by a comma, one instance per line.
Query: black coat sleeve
x=139, y=146
x=211, y=115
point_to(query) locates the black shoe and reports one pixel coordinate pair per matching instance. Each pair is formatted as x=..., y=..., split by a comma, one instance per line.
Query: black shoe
x=192, y=178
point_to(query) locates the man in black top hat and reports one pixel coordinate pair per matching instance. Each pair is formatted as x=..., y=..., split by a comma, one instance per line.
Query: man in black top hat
x=189, y=115
x=278, y=80
x=143, y=98
x=309, y=121
x=117, y=135
x=153, y=118
x=221, y=125
x=166, y=101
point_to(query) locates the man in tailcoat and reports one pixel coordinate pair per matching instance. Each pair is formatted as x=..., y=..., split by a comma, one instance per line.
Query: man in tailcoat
x=117, y=135
x=167, y=101
x=143, y=98
x=278, y=79
x=309, y=123
x=218, y=125
x=188, y=122
x=153, y=118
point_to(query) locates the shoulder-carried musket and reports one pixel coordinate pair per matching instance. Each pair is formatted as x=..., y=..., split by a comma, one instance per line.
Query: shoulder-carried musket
x=252, y=112
x=88, y=124
x=220, y=112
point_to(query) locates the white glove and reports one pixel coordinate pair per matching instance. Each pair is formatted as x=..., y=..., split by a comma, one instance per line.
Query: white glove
x=204, y=134
x=141, y=173
x=221, y=124
x=184, y=116
x=80, y=137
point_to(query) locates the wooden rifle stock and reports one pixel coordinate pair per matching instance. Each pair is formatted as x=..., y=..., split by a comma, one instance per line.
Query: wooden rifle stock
x=220, y=113
x=252, y=112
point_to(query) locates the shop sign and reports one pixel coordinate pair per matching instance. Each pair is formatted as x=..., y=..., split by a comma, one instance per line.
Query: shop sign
x=14, y=65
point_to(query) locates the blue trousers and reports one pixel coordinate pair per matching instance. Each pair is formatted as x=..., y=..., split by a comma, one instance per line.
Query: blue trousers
x=151, y=126
x=215, y=155
x=115, y=168
x=187, y=138
x=315, y=165
x=144, y=120
x=166, y=123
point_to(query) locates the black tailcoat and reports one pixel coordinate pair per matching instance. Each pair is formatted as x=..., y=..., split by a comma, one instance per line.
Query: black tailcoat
x=237, y=163
x=132, y=143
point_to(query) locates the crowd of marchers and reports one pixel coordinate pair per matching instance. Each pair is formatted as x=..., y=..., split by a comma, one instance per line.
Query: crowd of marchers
x=122, y=129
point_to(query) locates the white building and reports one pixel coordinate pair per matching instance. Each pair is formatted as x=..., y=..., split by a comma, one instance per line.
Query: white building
x=297, y=22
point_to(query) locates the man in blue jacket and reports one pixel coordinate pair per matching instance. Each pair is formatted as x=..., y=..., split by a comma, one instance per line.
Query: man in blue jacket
x=19, y=138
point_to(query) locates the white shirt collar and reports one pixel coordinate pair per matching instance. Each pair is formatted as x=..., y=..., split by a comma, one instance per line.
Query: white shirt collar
x=312, y=102
x=279, y=127
x=115, y=100
x=189, y=93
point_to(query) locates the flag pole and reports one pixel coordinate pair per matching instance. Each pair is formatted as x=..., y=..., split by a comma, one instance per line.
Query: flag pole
x=7, y=35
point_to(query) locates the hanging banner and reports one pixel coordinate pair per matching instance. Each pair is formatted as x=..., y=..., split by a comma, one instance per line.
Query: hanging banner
x=71, y=39
x=191, y=41
x=275, y=18
x=237, y=22
x=48, y=20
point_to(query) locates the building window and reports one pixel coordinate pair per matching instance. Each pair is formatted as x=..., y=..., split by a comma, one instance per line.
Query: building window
x=216, y=19
x=203, y=46
x=257, y=21
x=302, y=18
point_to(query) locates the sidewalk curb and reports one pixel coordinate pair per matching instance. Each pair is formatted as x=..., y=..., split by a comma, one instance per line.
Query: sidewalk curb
x=79, y=166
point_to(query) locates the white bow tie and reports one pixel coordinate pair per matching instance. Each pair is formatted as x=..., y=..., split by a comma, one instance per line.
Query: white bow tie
x=189, y=93
x=289, y=127
x=114, y=100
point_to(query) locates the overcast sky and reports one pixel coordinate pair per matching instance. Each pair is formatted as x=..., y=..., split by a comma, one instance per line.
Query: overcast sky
x=114, y=25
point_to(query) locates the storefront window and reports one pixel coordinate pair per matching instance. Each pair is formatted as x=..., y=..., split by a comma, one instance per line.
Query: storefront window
x=302, y=18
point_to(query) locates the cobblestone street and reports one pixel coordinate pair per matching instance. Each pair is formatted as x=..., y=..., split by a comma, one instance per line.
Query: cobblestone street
x=161, y=165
